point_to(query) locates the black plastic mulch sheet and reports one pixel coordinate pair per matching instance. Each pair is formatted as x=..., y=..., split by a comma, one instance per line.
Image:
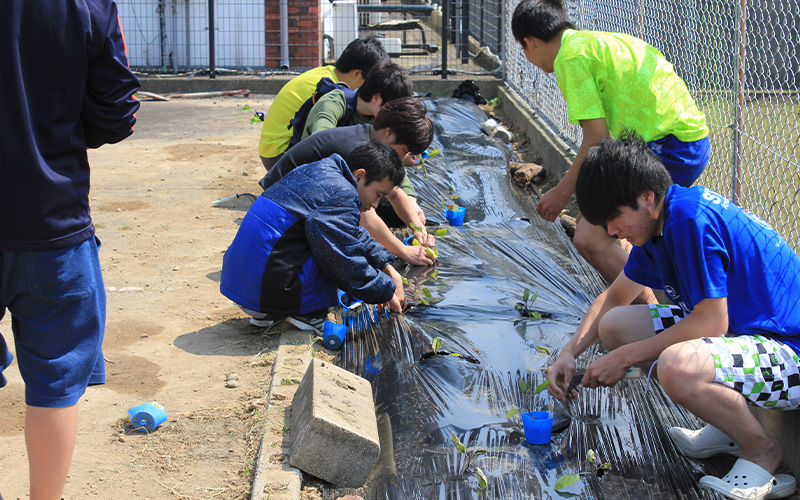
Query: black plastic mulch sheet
x=424, y=395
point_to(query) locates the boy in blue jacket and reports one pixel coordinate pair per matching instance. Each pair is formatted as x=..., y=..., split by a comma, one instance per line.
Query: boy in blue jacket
x=301, y=239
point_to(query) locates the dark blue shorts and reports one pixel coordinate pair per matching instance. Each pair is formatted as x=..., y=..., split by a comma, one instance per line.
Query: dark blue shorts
x=685, y=161
x=57, y=303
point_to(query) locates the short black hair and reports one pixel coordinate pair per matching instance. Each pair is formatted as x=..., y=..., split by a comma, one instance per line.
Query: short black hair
x=387, y=79
x=378, y=160
x=407, y=117
x=362, y=53
x=615, y=173
x=542, y=19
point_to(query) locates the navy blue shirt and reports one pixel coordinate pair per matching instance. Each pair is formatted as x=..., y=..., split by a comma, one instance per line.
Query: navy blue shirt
x=65, y=85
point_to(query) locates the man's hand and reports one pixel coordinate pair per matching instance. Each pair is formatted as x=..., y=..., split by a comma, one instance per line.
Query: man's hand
x=398, y=301
x=424, y=238
x=606, y=371
x=560, y=374
x=552, y=203
x=416, y=256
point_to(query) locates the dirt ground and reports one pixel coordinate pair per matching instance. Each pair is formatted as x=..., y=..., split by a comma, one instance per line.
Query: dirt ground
x=171, y=337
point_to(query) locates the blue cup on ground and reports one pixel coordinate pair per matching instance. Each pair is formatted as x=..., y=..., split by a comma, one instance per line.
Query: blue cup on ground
x=146, y=417
x=538, y=426
x=455, y=217
x=333, y=334
x=409, y=240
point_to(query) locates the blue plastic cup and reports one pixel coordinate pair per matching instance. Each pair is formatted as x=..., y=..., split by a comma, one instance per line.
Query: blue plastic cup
x=538, y=427
x=409, y=240
x=333, y=334
x=455, y=217
x=347, y=301
x=146, y=417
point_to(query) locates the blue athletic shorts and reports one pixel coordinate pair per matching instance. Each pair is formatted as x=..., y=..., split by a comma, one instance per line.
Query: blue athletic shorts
x=57, y=303
x=685, y=161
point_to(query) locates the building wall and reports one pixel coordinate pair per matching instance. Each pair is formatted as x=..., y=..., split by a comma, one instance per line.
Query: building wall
x=305, y=34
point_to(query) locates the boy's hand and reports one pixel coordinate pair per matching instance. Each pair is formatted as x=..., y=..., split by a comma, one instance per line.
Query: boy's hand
x=409, y=160
x=416, y=256
x=552, y=203
x=398, y=302
x=560, y=374
x=425, y=239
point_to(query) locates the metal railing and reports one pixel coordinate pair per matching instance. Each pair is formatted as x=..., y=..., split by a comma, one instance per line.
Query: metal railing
x=741, y=61
x=440, y=37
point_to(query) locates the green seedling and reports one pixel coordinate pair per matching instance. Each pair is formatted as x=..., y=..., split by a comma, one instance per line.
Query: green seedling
x=543, y=350
x=258, y=116
x=436, y=343
x=525, y=307
x=449, y=201
x=493, y=101
x=469, y=456
x=525, y=386
x=570, y=479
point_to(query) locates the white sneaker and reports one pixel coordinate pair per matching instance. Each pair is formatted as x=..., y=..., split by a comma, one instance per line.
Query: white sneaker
x=262, y=323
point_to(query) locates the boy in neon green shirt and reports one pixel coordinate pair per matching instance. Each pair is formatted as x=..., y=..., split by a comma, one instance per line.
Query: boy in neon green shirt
x=351, y=68
x=611, y=82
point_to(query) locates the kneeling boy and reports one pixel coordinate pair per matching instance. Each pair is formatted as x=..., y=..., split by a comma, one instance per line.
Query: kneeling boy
x=300, y=240
x=733, y=336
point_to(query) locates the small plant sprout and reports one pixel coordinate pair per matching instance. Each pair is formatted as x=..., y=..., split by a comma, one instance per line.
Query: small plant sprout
x=469, y=456
x=525, y=307
x=436, y=343
x=258, y=116
x=598, y=471
x=543, y=350
x=450, y=201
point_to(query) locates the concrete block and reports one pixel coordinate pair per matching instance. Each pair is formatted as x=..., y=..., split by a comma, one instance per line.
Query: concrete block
x=334, y=428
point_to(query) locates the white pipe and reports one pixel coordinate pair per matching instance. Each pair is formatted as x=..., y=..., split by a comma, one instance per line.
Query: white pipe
x=284, y=13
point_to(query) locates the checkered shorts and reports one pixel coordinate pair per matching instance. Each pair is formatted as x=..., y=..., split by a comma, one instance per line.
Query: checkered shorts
x=765, y=371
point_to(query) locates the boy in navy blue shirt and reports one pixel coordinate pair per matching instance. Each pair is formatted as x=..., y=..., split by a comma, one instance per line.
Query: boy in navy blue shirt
x=734, y=336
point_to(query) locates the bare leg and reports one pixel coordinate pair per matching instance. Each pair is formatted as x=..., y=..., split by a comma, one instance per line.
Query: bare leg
x=605, y=254
x=50, y=435
x=686, y=372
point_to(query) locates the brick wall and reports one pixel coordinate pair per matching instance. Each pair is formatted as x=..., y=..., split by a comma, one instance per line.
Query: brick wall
x=305, y=34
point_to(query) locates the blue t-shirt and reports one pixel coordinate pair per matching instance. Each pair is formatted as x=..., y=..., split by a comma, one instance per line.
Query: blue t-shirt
x=711, y=248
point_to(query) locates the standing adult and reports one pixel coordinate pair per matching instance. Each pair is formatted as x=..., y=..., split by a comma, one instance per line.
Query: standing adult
x=65, y=86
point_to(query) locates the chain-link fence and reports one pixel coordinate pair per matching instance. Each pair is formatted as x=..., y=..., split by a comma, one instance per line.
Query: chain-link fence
x=265, y=36
x=741, y=61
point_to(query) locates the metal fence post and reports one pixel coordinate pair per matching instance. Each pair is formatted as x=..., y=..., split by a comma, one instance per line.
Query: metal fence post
x=739, y=83
x=445, y=35
x=211, y=43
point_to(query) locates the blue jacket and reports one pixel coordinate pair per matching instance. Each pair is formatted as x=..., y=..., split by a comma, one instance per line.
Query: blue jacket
x=300, y=241
x=64, y=86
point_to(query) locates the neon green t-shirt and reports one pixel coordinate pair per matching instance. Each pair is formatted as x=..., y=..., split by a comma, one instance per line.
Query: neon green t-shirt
x=275, y=134
x=629, y=83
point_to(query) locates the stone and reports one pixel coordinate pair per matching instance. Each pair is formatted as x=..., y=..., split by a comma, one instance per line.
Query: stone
x=334, y=430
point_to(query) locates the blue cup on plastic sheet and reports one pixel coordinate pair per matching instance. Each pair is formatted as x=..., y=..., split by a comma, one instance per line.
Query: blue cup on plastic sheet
x=146, y=417
x=333, y=334
x=347, y=301
x=455, y=217
x=538, y=426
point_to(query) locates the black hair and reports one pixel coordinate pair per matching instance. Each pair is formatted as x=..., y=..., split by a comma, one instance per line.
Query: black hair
x=378, y=160
x=407, y=117
x=387, y=79
x=615, y=173
x=542, y=19
x=362, y=53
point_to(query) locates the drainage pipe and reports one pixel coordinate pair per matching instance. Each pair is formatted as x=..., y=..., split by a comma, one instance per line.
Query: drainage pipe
x=284, y=13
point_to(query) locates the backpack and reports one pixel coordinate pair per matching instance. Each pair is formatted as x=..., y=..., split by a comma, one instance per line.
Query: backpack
x=324, y=86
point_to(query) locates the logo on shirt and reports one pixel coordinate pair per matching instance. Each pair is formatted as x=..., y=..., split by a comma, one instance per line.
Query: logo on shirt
x=715, y=198
x=675, y=297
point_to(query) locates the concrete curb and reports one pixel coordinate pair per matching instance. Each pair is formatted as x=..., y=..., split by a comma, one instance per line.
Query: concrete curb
x=274, y=478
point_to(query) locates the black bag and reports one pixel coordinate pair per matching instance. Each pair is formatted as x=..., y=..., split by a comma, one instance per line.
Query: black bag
x=325, y=85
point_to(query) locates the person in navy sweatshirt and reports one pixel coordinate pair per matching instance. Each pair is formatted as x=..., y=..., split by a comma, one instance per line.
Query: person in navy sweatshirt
x=65, y=86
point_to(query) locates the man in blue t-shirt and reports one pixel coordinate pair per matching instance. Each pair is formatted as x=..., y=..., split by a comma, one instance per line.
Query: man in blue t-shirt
x=733, y=338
